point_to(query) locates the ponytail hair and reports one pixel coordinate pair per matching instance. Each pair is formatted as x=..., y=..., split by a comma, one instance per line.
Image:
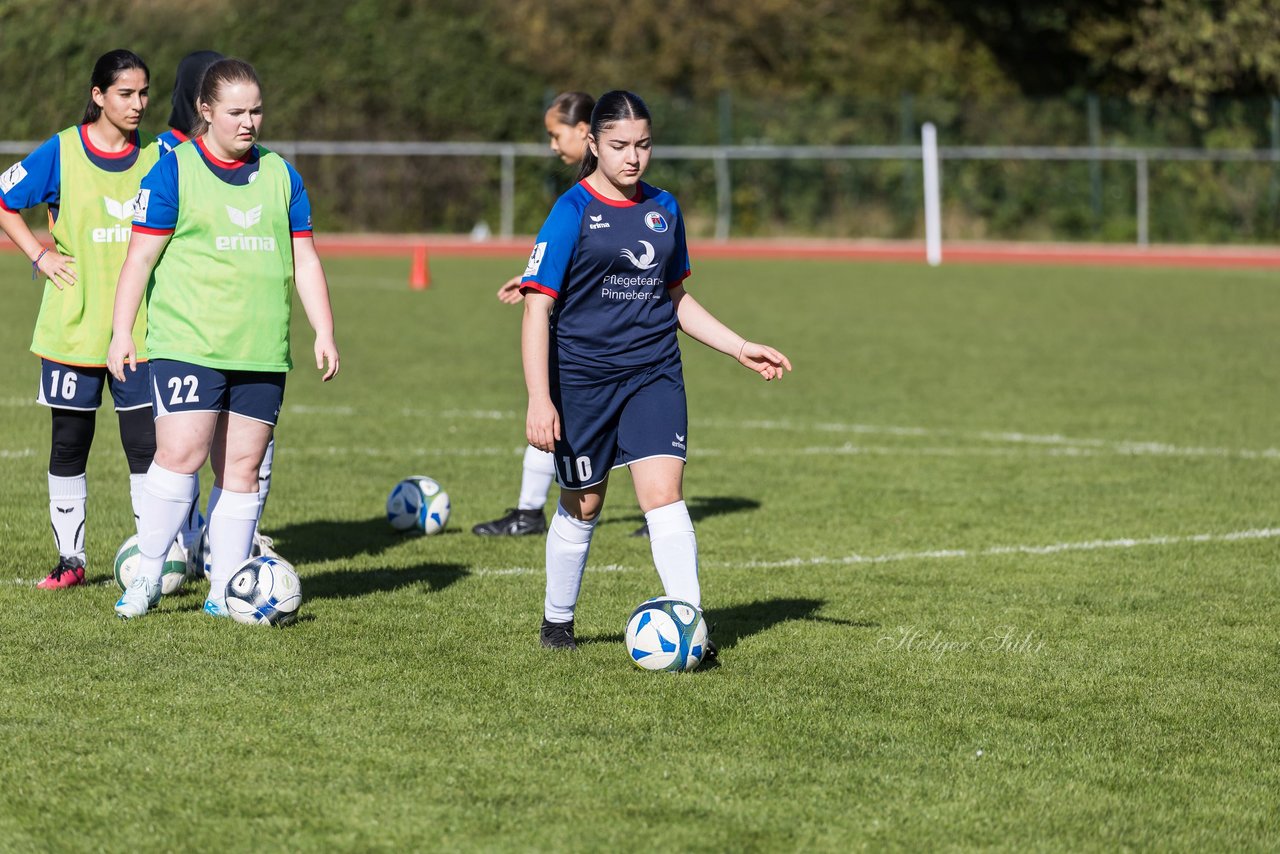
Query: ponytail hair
x=105, y=72
x=573, y=108
x=613, y=107
x=223, y=73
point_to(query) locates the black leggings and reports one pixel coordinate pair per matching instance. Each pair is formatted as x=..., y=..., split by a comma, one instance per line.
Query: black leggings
x=73, y=436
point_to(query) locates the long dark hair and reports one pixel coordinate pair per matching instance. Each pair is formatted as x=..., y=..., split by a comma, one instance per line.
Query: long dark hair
x=186, y=85
x=224, y=72
x=105, y=72
x=573, y=108
x=613, y=107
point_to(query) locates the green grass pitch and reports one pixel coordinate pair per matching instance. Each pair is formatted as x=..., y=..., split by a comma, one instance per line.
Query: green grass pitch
x=995, y=567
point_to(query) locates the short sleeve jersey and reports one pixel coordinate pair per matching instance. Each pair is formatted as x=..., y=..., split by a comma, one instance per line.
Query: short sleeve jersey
x=156, y=211
x=37, y=178
x=610, y=266
x=171, y=139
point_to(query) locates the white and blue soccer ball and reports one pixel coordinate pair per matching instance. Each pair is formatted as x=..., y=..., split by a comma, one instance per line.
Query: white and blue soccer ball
x=172, y=574
x=666, y=634
x=265, y=591
x=418, y=503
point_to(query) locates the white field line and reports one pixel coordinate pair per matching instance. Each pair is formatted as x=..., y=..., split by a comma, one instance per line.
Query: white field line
x=1122, y=447
x=846, y=450
x=938, y=554
x=891, y=557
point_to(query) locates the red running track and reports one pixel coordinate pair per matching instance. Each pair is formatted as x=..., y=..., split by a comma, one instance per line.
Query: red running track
x=1220, y=257
x=848, y=250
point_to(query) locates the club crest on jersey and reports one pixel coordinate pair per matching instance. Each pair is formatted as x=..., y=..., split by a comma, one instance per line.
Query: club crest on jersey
x=654, y=220
x=645, y=261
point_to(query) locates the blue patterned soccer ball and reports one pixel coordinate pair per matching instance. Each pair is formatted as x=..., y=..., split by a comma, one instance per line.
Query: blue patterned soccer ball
x=265, y=591
x=666, y=634
x=173, y=573
x=418, y=503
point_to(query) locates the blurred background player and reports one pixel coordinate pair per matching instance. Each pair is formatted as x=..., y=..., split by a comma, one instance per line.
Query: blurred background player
x=609, y=301
x=182, y=118
x=568, y=121
x=224, y=233
x=186, y=85
x=88, y=175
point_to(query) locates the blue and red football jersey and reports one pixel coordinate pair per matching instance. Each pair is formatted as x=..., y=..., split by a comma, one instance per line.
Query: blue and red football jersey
x=609, y=265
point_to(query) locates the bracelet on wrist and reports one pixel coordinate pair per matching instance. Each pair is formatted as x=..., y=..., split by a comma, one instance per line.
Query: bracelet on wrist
x=35, y=264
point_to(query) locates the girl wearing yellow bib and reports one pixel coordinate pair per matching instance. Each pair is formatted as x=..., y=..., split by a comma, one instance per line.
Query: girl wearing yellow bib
x=222, y=235
x=88, y=176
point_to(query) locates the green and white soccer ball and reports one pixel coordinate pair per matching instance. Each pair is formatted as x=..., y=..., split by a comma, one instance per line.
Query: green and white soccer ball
x=172, y=574
x=419, y=503
x=666, y=634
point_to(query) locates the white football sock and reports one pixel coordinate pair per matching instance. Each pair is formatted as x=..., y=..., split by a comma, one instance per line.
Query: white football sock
x=264, y=477
x=232, y=518
x=135, y=496
x=67, y=496
x=539, y=471
x=568, y=542
x=190, y=530
x=165, y=499
x=675, y=551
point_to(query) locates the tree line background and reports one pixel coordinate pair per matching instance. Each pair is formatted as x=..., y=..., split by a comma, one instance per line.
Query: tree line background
x=1070, y=72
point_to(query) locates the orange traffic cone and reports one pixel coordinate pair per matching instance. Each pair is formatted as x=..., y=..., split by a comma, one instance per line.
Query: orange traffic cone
x=419, y=272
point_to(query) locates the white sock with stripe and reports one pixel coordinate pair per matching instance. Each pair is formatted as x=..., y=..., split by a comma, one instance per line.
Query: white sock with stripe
x=67, y=498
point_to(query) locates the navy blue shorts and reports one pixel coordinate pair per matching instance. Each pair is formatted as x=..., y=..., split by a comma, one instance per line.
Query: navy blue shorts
x=615, y=424
x=184, y=387
x=74, y=387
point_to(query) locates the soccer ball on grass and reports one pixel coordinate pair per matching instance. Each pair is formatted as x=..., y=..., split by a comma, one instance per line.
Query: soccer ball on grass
x=265, y=591
x=666, y=634
x=419, y=503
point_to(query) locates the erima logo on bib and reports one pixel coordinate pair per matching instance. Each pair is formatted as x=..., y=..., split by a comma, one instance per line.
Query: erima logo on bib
x=245, y=219
x=117, y=233
x=245, y=242
x=118, y=209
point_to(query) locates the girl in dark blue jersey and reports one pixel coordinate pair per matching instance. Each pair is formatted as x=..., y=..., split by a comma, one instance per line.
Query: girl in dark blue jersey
x=604, y=295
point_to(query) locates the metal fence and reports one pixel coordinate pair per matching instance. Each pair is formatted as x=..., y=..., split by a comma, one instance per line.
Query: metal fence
x=720, y=156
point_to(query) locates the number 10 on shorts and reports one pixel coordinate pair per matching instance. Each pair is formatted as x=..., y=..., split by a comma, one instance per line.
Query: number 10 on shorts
x=580, y=467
